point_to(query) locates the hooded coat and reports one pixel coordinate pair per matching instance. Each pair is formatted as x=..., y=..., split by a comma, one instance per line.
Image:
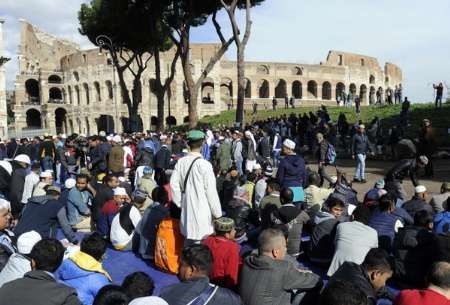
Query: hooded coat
x=85, y=274
x=322, y=237
x=291, y=171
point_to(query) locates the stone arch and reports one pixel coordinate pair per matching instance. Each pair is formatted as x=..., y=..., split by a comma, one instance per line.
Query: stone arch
x=248, y=88
x=78, y=120
x=363, y=93
x=154, y=121
x=263, y=89
x=226, y=89
x=371, y=79
x=60, y=119
x=186, y=119
x=297, y=71
x=105, y=123
x=33, y=91
x=280, y=89
x=262, y=69
x=312, y=89
x=55, y=95
x=326, y=91
x=340, y=89
x=71, y=126
x=98, y=95
x=208, y=91
x=372, y=95
x=297, y=89
x=54, y=79
x=76, y=76
x=77, y=93
x=88, y=127
x=34, y=120
x=86, y=92
x=109, y=87
x=352, y=89
x=69, y=92
x=171, y=121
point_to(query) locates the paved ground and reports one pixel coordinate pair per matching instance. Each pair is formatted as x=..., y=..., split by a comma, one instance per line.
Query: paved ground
x=377, y=169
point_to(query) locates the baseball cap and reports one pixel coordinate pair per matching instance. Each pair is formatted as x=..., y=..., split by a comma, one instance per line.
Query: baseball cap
x=196, y=135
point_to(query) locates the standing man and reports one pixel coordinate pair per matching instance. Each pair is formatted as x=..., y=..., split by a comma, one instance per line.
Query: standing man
x=193, y=185
x=236, y=151
x=162, y=158
x=360, y=146
x=286, y=102
x=292, y=102
x=357, y=105
x=427, y=145
x=115, y=159
x=322, y=150
x=274, y=103
x=47, y=153
x=439, y=93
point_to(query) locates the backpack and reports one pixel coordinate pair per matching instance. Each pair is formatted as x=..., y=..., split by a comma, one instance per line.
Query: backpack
x=442, y=223
x=331, y=154
x=168, y=246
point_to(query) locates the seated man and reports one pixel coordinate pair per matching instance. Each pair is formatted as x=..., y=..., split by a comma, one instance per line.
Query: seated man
x=83, y=270
x=39, y=287
x=138, y=285
x=41, y=214
x=385, y=222
x=370, y=276
x=342, y=293
x=267, y=278
x=195, y=266
x=78, y=202
x=315, y=196
x=7, y=241
x=353, y=240
x=19, y=263
x=321, y=248
x=225, y=251
x=46, y=179
x=439, y=202
x=437, y=291
x=109, y=210
x=413, y=250
x=442, y=220
x=418, y=203
x=124, y=223
x=293, y=218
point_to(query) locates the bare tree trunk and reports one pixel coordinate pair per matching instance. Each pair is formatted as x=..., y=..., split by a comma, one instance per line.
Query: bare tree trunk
x=241, y=86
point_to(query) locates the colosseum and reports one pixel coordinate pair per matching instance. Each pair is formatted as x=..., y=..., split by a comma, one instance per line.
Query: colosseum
x=63, y=89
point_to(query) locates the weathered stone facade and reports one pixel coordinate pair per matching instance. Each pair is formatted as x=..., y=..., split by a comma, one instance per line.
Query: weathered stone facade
x=61, y=88
x=3, y=109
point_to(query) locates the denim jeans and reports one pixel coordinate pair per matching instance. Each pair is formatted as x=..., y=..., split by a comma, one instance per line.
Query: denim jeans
x=47, y=163
x=238, y=163
x=360, y=166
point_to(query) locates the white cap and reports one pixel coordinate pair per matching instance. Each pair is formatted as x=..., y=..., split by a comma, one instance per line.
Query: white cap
x=121, y=179
x=120, y=191
x=7, y=166
x=256, y=166
x=362, y=126
x=4, y=204
x=248, y=133
x=423, y=159
x=23, y=158
x=63, y=136
x=289, y=144
x=163, y=137
x=152, y=300
x=420, y=189
x=46, y=174
x=221, y=138
x=109, y=138
x=70, y=183
x=27, y=240
x=102, y=133
x=117, y=139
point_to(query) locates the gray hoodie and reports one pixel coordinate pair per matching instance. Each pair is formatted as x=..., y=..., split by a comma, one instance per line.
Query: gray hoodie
x=18, y=264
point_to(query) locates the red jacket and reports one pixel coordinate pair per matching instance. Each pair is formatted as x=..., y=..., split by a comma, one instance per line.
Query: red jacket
x=421, y=297
x=227, y=261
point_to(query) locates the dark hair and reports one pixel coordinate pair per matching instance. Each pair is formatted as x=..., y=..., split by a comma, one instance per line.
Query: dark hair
x=273, y=183
x=362, y=214
x=314, y=179
x=333, y=202
x=286, y=195
x=251, y=176
x=47, y=254
x=35, y=165
x=198, y=256
x=111, y=295
x=108, y=178
x=422, y=218
x=377, y=259
x=193, y=144
x=439, y=275
x=94, y=245
x=138, y=284
x=339, y=292
x=159, y=194
x=174, y=211
x=387, y=201
x=82, y=176
x=448, y=204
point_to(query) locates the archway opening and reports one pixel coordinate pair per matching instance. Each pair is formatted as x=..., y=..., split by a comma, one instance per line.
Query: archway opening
x=312, y=89
x=372, y=79
x=105, y=123
x=55, y=95
x=86, y=92
x=208, y=91
x=326, y=91
x=54, y=79
x=34, y=120
x=363, y=94
x=297, y=89
x=264, y=89
x=340, y=90
x=226, y=90
x=352, y=89
x=98, y=95
x=171, y=121
x=60, y=118
x=110, y=89
x=32, y=90
x=186, y=119
x=280, y=89
x=248, y=88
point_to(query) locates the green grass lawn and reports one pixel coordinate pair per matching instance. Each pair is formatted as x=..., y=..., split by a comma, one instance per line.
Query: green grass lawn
x=389, y=114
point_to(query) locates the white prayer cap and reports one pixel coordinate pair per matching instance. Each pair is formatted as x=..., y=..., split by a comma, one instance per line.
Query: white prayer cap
x=117, y=139
x=420, y=189
x=27, y=240
x=70, y=183
x=46, y=174
x=120, y=191
x=7, y=166
x=4, y=204
x=148, y=301
x=289, y=144
x=23, y=158
x=362, y=126
x=102, y=133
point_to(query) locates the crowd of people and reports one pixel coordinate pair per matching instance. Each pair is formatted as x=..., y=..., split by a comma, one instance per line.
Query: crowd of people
x=241, y=216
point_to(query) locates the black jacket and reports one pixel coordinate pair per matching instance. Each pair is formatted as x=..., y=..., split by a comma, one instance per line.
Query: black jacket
x=144, y=157
x=415, y=205
x=356, y=275
x=360, y=144
x=414, y=252
x=405, y=167
x=264, y=148
x=16, y=188
x=162, y=158
x=185, y=292
x=37, y=288
x=47, y=149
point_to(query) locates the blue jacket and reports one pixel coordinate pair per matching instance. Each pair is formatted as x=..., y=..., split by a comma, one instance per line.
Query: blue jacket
x=384, y=224
x=291, y=171
x=86, y=282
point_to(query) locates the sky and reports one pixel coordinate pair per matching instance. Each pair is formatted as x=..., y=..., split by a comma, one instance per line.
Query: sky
x=414, y=34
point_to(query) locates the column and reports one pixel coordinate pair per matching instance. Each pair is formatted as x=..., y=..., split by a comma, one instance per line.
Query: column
x=319, y=92
x=333, y=92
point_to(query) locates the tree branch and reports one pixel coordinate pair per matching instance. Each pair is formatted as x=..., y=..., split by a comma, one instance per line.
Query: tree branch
x=173, y=66
x=248, y=24
x=217, y=27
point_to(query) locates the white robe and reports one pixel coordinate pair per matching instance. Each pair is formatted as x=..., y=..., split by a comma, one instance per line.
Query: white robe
x=200, y=203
